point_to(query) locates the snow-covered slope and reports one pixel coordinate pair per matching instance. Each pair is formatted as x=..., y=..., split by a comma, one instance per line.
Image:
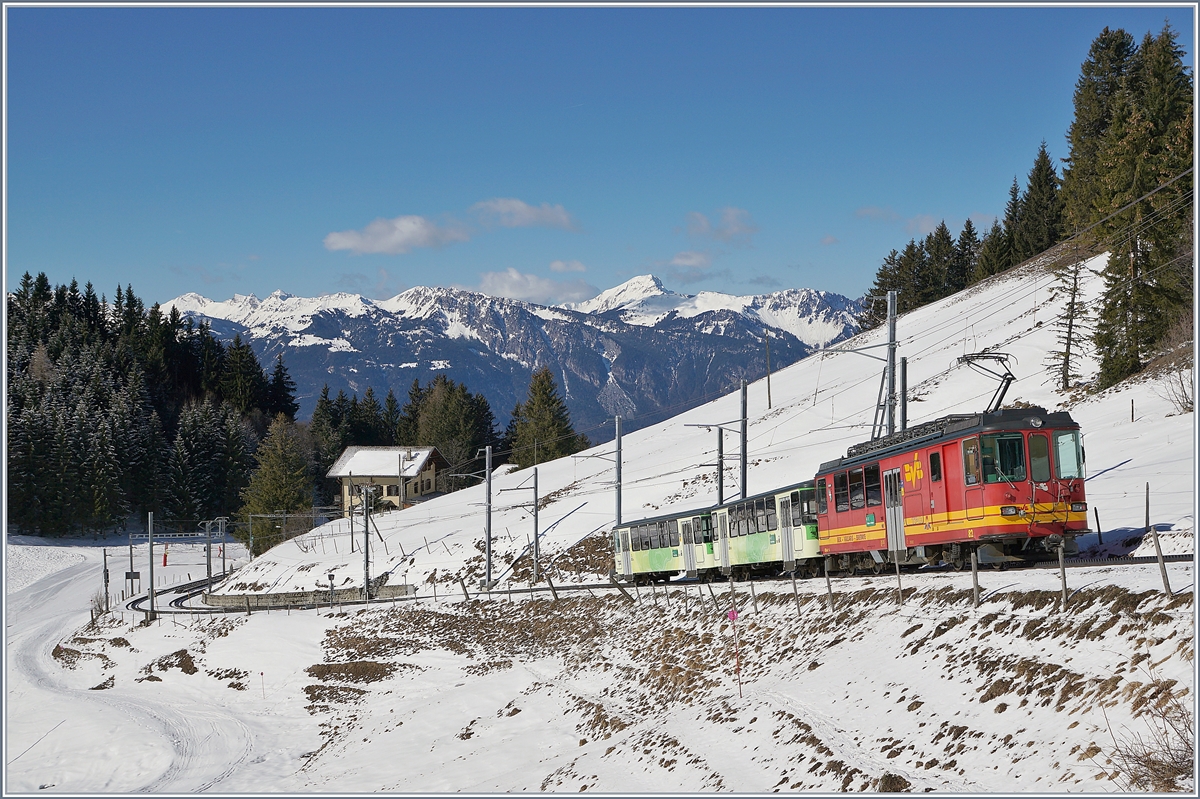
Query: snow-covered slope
x=592, y=692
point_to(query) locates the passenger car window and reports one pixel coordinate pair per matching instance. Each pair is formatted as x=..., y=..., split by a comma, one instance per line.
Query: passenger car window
x=841, y=492
x=874, y=487
x=935, y=467
x=858, y=497
x=971, y=468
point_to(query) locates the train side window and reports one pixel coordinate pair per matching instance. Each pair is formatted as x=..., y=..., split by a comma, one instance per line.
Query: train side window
x=706, y=526
x=841, y=492
x=822, y=501
x=687, y=533
x=971, y=470
x=772, y=514
x=1039, y=458
x=635, y=540
x=935, y=467
x=654, y=537
x=797, y=513
x=743, y=519
x=858, y=498
x=760, y=516
x=874, y=487
x=673, y=530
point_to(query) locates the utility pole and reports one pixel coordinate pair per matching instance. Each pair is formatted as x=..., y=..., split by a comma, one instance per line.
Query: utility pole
x=487, y=519
x=208, y=551
x=535, y=525
x=891, y=363
x=745, y=493
x=618, y=420
x=767, y=338
x=366, y=543
x=904, y=393
x=251, y=522
x=400, y=479
x=720, y=465
x=105, y=580
x=221, y=529
x=150, y=543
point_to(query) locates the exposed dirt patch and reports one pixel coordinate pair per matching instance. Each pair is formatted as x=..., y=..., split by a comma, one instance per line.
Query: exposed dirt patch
x=363, y=671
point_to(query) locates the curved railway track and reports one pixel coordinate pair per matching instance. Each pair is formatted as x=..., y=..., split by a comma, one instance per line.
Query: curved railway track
x=189, y=591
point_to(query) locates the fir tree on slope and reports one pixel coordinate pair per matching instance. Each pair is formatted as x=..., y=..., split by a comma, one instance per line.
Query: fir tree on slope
x=280, y=484
x=541, y=427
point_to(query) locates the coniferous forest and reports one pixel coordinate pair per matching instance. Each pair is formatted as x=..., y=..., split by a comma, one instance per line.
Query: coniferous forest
x=115, y=410
x=1125, y=189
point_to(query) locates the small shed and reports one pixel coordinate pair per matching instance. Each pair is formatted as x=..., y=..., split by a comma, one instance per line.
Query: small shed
x=406, y=474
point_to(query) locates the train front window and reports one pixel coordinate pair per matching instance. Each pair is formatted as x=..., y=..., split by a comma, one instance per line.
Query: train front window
x=858, y=497
x=822, y=501
x=1004, y=458
x=841, y=493
x=1039, y=458
x=1068, y=455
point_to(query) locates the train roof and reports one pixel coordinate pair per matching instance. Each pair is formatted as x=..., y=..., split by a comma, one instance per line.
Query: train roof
x=783, y=490
x=953, y=426
x=667, y=517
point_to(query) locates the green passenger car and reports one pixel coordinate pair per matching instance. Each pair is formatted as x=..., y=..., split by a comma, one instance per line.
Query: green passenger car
x=772, y=532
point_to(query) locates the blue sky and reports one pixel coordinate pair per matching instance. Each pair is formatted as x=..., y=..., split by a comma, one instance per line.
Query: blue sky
x=543, y=154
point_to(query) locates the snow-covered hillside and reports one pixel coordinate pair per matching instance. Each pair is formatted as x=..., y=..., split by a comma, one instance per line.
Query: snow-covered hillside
x=595, y=692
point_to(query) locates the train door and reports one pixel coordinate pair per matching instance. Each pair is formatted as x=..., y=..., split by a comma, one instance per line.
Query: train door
x=626, y=569
x=893, y=512
x=689, y=548
x=723, y=547
x=972, y=479
x=786, y=535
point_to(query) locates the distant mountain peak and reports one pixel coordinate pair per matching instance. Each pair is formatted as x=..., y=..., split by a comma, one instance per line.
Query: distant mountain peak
x=631, y=292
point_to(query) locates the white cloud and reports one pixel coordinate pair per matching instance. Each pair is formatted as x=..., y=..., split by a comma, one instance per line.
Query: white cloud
x=511, y=212
x=395, y=236
x=921, y=225
x=533, y=288
x=692, y=259
x=735, y=225
x=567, y=266
x=829, y=240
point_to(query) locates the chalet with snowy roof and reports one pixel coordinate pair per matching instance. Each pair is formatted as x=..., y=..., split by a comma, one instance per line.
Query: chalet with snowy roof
x=406, y=474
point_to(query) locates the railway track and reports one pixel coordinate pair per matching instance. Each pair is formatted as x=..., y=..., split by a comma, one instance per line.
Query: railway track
x=189, y=591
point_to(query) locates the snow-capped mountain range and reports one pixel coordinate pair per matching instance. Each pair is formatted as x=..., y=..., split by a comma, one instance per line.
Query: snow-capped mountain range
x=637, y=350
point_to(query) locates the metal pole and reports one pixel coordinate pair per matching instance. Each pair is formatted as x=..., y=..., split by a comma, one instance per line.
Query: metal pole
x=350, y=512
x=208, y=551
x=904, y=393
x=221, y=529
x=720, y=466
x=828, y=584
x=367, y=544
x=796, y=594
x=400, y=480
x=767, y=338
x=975, y=575
x=1062, y=571
x=105, y=580
x=535, y=525
x=150, y=542
x=251, y=515
x=1099, y=535
x=1162, y=566
x=131, y=563
x=487, y=519
x=745, y=493
x=618, y=420
x=891, y=363
x=899, y=585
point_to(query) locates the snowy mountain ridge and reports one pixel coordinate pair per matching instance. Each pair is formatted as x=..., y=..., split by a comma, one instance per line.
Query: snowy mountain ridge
x=634, y=350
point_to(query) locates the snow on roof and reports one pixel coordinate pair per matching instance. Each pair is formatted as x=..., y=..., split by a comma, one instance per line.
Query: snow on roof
x=381, y=461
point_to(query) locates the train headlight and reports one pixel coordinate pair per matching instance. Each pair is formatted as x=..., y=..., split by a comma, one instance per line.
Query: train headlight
x=1079, y=507
x=1008, y=510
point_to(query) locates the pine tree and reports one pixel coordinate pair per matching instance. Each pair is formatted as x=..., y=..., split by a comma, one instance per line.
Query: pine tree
x=544, y=431
x=966, y=253
x=1040, y=224
x=939, y=264
x=1102, y=75
x=281, y=392
x=1071, y=326
x=407, y=428
x=242, y=383
x=993, y=254
x=391, y=418
x=875, y=302
x=280, y=483
x=913, y=277
x=1010, y=254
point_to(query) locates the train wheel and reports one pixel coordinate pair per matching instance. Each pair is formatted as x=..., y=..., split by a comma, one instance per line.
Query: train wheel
x=876, y=568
